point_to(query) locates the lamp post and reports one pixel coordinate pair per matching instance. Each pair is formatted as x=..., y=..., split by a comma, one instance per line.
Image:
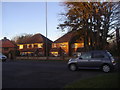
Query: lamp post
x=46, y=29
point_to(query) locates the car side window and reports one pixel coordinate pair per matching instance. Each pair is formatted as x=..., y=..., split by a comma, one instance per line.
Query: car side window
x=98, y=55
x=85, y=56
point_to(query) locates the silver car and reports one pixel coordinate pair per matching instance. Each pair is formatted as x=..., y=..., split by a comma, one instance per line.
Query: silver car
x=2, y=57
x=97, y=59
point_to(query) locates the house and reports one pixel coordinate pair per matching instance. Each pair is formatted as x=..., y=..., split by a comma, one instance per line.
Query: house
x=8, y=48
x=69, y=44
x=37, y=45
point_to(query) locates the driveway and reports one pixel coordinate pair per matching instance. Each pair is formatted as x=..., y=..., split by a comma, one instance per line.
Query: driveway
x=41, y=74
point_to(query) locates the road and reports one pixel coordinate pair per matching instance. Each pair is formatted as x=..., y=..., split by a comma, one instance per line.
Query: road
x=41, y=74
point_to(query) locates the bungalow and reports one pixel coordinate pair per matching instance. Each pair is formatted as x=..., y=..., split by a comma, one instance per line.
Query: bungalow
x=68, y=44
x=37, y=45
x=8, y=48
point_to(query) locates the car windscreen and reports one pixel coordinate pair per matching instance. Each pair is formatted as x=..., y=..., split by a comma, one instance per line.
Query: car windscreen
x=109, y=54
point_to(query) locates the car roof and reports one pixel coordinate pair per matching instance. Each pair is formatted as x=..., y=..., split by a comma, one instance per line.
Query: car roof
x=98, y=51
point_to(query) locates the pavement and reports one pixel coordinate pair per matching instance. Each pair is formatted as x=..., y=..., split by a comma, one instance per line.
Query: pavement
x=41, y=74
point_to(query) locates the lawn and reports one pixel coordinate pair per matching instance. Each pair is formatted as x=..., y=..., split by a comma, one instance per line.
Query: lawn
x=108, y=80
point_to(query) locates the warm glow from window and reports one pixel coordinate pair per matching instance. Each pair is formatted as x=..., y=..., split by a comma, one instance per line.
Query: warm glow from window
x=78, y=45
x=40, y=45
x=29, y=52
x=54, y=52
x=28, y=45
x=63, y=44
x=54, y=45
x=20, y=46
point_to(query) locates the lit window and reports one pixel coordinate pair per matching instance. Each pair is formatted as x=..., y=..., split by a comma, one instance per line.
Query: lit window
x=30, y=46
x=78, y=45
x=63, y=45
x=54, y=53
x=21, y=47
x=54, y=45
x=35, y=46
x=40, y=45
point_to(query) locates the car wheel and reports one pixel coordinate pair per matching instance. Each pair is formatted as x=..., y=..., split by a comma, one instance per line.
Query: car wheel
x=106, y=68
x=73, y=67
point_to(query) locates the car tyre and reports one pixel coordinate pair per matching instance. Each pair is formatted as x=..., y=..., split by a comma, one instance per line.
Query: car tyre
x=73, y=67
x=106, y=68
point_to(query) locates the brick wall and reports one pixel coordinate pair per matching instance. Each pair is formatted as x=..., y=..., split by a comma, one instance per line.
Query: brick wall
x=43, y=58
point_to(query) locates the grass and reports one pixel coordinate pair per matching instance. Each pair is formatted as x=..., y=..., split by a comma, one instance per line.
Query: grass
x=110, y=80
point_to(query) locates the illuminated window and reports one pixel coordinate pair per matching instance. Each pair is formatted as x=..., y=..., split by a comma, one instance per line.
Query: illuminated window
x=54, y=45
x=54, y=53
x=40, y=45
x=78, y=45
x=30, y=46
x=24, y=46
x=21, y=47
x=35, y=46
x=63, y=45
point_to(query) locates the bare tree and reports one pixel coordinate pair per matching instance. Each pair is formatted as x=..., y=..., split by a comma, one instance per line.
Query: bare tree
x=92, y=20
x=21, y=38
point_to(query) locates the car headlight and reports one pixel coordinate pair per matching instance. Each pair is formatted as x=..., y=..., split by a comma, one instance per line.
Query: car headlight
x=113, y=61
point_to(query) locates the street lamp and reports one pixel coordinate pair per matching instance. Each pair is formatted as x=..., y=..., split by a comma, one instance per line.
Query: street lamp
x=46, y=30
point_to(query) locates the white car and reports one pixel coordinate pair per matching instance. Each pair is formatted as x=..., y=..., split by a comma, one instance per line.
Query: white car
x=2, y=57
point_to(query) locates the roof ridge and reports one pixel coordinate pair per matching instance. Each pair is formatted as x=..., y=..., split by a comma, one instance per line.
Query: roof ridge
x=36, y=38
x=65, y=35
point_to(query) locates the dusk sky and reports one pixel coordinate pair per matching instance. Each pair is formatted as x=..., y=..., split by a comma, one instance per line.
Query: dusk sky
x=29, y=17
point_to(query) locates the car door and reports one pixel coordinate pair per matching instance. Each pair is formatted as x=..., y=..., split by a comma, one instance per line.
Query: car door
x=96, y=59
x=83, y=60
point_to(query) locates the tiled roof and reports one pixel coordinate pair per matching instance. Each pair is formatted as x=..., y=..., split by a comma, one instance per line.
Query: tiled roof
x=7, y=43
x=67, y=37
x=37, y=38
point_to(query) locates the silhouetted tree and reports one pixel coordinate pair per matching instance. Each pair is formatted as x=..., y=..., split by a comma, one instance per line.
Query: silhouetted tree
x=21, y=38
x=92, y=20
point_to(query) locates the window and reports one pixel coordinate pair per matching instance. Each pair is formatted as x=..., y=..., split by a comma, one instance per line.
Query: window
x=30, y=46
x=54, y=45
x=54, y=53
x=63, y=45
x=21, y=47
x=35, y=46
x=40, y=45
x=24, y=46
x=85, y=56
x=74, y=46
x=98, y=55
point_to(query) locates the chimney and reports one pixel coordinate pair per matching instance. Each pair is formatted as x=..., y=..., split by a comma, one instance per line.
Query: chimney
x=5, y=37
